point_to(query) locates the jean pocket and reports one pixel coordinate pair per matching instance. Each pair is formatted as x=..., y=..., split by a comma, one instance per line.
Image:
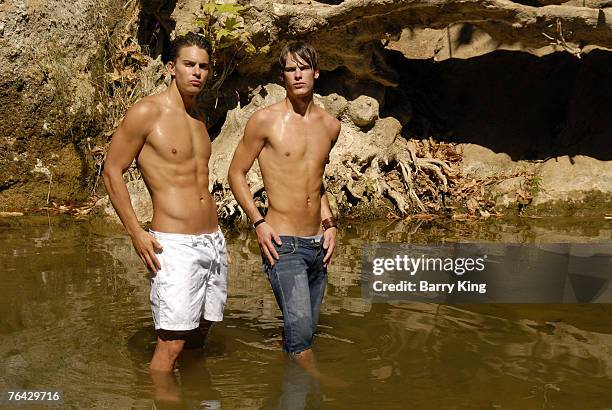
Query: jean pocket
x=286, y=248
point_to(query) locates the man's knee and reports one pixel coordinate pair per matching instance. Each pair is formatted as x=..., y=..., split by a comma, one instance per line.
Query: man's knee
x=172, y=347
x=299, y=337
x=302, y=354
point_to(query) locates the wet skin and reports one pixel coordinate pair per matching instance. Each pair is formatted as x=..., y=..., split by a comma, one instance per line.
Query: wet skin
x=292, y=141
x=169, y=140
x=171, y=146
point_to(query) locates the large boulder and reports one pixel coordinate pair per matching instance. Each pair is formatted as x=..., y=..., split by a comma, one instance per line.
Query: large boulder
x=572, y=179
x=558, y=186
x=363, y=111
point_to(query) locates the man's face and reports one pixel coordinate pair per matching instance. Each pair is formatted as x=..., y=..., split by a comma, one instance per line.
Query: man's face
x=190, y=70
x=298, y=75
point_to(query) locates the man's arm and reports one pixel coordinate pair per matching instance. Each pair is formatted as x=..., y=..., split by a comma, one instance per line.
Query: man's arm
x=127, y=141
x=247, y=151
x=329, y=235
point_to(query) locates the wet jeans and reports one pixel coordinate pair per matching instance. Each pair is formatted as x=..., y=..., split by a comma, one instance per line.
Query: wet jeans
x=298, y=280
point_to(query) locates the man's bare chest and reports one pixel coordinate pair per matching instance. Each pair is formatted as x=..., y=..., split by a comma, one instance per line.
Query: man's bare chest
x=300, y=143
x=178, y=141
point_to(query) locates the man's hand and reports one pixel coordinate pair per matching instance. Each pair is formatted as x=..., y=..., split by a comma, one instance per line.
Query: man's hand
x=265, y=236
x=147, y=246
x=329, y=244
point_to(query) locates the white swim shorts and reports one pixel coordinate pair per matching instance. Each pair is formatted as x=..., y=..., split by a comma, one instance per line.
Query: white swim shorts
x=192, y=281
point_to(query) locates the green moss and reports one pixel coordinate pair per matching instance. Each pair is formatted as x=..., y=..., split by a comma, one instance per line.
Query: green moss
x=590, y=203
x=533, y=185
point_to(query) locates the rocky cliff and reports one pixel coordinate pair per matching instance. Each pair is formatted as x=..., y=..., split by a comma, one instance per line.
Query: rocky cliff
x=511, y=95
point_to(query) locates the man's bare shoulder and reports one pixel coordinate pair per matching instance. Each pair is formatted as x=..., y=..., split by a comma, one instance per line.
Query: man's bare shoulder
x=264, y=115
x=140, y=119
x=147, y=109
x=258, y=125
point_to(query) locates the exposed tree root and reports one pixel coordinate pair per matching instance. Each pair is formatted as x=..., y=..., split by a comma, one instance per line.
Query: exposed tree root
x=370, y=173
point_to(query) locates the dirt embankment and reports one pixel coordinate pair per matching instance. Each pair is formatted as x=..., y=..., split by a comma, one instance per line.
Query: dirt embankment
x=55, y=89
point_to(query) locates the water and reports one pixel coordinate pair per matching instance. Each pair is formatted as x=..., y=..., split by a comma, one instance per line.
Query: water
x=74, y=316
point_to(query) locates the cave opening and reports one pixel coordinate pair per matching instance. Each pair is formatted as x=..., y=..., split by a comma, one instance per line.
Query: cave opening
x=155, y=26
x=529, y=107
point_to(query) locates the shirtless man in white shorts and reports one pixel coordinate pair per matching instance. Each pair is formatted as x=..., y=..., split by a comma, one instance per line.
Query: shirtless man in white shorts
x=184, y=250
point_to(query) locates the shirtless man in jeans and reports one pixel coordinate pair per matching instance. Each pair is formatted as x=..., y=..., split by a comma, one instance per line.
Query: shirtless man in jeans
x=184, y=250
x=292, y=140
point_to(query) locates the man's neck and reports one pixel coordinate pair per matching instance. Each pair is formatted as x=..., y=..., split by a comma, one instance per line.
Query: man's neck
x=301, y=106
x=179, y=100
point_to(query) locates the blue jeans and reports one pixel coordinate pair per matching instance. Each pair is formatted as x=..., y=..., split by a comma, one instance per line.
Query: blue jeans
x=298, y=281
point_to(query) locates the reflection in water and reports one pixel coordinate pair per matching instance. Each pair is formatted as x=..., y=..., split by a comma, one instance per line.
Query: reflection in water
x=299, y=390
x=74, y=316
x=189, y=387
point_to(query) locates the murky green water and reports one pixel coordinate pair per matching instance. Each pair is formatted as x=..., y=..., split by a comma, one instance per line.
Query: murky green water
x=74, y=315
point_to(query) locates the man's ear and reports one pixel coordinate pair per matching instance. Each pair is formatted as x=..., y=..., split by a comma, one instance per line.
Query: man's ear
x=170, y=67
x=316, y=74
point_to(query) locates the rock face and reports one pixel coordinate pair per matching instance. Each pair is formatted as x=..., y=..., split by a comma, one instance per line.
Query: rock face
x=351, y=34
x=466, y=40
x=558, y=186
x=458, y=71
x=49, y=52
x=231, y=133
x=572, y=179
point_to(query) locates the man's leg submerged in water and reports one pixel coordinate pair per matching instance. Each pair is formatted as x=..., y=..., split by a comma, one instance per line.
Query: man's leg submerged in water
x=299, y=290
x=170, y=344
x=310, y=282
x=166, y=355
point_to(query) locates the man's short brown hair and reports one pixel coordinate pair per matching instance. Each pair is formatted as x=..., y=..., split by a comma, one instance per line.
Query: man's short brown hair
x=188, y=40
x=301, y=49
